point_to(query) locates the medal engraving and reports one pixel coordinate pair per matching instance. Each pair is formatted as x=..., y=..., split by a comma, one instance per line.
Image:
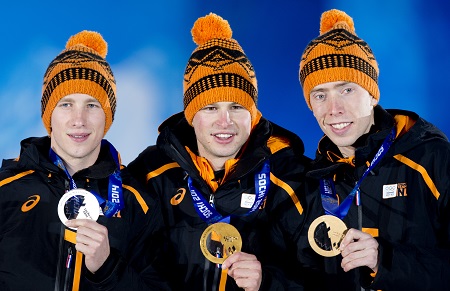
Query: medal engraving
x=325, y=235
x=219, y=241
x=78, y=203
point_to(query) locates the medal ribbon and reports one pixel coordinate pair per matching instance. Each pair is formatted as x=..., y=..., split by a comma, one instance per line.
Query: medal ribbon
x=209, y=214
x=115, y=193
x=328, y=193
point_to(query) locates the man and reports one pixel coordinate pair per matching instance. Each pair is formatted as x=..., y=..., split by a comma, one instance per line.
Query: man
x=385, y=173
x=226, y=177
x=41, y=246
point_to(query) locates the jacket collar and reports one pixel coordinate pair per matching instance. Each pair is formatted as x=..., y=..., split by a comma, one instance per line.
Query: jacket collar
x=34, y=154
x=176, y=134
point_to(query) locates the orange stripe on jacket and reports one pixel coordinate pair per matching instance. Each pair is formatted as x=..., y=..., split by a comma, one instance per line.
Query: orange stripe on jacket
x=422, y=171
x=289, y=190
x=138, y=196
x=13, y=178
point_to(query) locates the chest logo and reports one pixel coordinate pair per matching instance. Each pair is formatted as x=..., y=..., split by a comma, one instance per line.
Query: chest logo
x=394, y=190
x=179, y=196
x=32, y=201
x=247, y=200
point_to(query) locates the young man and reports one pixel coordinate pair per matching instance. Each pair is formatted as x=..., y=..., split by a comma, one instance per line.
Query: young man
x=74, y=173
x=385, y=173
x=226, y=177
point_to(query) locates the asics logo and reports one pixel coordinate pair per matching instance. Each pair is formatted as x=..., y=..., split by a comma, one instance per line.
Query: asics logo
x=32, y=201
x=178, y=197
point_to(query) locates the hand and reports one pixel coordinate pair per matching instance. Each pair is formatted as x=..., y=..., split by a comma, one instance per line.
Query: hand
x=245, y=269
x=359, y=249
x=92, y=241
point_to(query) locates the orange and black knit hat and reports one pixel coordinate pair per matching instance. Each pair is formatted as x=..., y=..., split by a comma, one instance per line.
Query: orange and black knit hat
x=218, y=69
x=337, y=54
x=80, y=68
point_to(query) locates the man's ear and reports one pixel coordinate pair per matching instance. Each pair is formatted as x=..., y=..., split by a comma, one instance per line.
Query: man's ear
x=374, y=102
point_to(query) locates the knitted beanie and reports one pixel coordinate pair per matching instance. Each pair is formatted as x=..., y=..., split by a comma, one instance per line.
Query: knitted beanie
x=80, y=68
x=337, y=54
x=218, y=69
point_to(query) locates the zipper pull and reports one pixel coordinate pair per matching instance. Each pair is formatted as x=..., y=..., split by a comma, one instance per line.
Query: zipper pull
x=69, y=258
x=211, y=200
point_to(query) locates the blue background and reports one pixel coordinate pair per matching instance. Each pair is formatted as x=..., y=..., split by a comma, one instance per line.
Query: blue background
x=150, y=43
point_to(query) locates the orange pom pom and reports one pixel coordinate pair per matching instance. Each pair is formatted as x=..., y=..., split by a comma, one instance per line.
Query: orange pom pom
x=210, y=27
x=91, y=39
x=333, y=19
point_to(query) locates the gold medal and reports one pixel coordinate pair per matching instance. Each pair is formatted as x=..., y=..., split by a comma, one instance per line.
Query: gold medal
x=325, y=235
x=219, y=241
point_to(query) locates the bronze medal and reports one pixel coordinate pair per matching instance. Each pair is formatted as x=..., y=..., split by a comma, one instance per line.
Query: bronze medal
x=325, y=235
x=219, y=241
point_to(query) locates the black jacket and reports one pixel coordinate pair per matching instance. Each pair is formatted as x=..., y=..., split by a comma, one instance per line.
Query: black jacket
x=265, y=232
x=412, y=223
x=33, y=249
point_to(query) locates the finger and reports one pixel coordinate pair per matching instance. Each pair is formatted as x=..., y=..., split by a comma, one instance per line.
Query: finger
x=367, y=242
x=362, y=253
x=247, y=274
x=231, y=260
x=238, y=257
x=367, y=257
x=89, y=242
x=351, y=236
x=84, y=222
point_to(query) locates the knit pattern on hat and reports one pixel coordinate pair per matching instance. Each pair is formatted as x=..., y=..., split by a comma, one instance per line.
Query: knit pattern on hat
x=338, y=54
x=80, y=68
x=218, y=69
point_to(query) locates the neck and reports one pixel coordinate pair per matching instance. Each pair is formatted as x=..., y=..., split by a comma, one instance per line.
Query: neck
x=217, y=164
x=76, y=165
x=73, y=164
x=347, y=152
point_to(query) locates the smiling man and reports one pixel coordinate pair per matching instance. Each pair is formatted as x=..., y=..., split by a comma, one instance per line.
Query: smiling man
x=384, y=173
x=74, y=172
x=219, y=164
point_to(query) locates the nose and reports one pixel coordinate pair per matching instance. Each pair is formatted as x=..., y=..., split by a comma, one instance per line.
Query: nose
x=78, y=117
x=335, y=105
x=224, y=119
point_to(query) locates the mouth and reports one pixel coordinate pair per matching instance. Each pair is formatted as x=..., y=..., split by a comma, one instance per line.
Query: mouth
x=223, y=136
x=340, y=125
x=79, y=136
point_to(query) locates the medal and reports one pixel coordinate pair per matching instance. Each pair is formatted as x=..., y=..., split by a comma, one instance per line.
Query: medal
x=325, y=235
x=78, y=204
x=219, y=241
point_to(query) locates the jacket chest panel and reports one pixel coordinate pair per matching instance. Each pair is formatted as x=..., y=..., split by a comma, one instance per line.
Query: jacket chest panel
x=397, y=203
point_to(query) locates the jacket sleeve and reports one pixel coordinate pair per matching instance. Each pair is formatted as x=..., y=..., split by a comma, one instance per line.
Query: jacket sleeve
x=422, y=266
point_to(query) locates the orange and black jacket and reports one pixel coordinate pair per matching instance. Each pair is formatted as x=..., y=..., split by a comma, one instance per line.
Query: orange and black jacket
x=267, y=233
x=404, y=204
x=34, y=244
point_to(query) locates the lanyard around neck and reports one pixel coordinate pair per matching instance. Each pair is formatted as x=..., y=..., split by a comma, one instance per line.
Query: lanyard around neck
x=328, y=193
x=207, y=211
x=115, y=193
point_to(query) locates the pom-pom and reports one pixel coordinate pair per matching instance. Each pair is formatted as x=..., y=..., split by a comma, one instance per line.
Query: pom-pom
x=91, y=39
x=210, y=27
x=333, y=19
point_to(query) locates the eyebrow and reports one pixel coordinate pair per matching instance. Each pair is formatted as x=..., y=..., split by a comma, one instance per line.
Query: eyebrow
x=72, y=99
x=340, y=84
